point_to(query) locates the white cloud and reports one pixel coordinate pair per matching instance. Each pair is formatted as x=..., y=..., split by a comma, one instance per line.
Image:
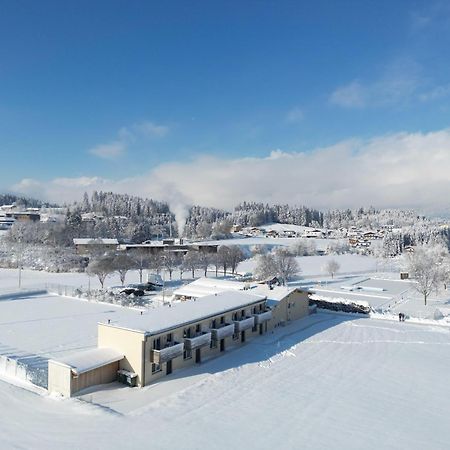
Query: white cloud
x=151, y=129
x=352, y=95
x=436, y=93
x=113, y=150
x=295, y=115
x=399, y=83
x=399, y=170
x=127, y=136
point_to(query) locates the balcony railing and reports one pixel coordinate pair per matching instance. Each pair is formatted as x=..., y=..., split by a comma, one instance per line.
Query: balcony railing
x=244, y=324
x=167, y=353
x=223, y=332
x=197, y=341
x=263, y=317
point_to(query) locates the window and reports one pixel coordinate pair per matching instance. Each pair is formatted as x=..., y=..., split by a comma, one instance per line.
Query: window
x=222, y=319
x=254, y=310
x=198, y=328
x=187, y=354
x=254, y=328
x=157, y=344
x=243, y=313
x=169, y=338
x=213, y=324
x=213, y=344
x=156, y=368
x=235, y=336
x=261, y=306
x=235, y=316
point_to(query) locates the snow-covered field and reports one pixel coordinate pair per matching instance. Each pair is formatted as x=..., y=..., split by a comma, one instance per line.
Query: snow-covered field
x=313, y=265
x=53, y=326
x=329, y=381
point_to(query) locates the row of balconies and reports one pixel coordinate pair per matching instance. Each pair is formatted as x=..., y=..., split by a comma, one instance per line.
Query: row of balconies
x=201, y=340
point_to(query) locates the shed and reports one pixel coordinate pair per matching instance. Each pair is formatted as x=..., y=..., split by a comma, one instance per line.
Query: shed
x=81, y=370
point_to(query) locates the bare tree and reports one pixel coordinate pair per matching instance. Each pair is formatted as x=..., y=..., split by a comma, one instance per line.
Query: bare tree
x=122, y=264
x=331, y=267
x=280, y=263
x=236, y=255
x=204, y=261
x=141, y=260
x=101, y=267
x=265, y=266
x=223, y=256
x=425, y=268
x=155, y=262
x=170, y=262
x=191, y=261
x=285, y=264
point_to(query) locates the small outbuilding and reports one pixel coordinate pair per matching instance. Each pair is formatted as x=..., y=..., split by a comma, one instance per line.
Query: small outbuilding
x=73, y=373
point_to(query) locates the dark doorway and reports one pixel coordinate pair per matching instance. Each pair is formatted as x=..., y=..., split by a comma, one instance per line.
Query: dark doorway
x=242, y=336
x=261, y=328
x=169, y=367
x=198, y=356
x=222, y=345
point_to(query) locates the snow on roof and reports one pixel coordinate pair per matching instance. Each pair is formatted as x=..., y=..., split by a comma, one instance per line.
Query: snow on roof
x=90, y=359
x=274, y=295
x=182, y=313
x=209, y=286
x=95, y=241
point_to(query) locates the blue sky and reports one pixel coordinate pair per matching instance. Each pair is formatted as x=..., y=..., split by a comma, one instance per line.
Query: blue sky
x=113, y=89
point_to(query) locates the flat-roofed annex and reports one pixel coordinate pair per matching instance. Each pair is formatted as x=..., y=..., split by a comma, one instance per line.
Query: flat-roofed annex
x=180, y=314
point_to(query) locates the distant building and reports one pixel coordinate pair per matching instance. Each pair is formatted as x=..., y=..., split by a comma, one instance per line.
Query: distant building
x=87, y=246
x=170, y=245
x=315, y=233
x=24, y=216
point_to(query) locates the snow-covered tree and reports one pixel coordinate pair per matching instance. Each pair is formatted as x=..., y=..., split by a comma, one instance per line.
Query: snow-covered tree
x=280, y=263
x=122, y=264
x=331, y=267
x=191, y=261
x=236, y=255
x=424, y=264
x=101, y=267
x=170, y=262
x=205, y=260
x=223, y=257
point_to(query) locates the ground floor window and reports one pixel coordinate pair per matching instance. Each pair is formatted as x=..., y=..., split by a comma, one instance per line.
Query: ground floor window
x=187, y=354
x=235, y=336
x=156, y=368
x=213, y=344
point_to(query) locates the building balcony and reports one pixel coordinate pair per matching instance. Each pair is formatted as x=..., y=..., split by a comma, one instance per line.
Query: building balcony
x=223, y=332
x=199, y=341
x=244, y=324
x=167, y=353
x=263, y=317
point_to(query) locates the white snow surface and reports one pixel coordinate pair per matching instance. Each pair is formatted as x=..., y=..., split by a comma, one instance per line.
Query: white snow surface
x=91, y=359
x=314, y=265
x=329, y=381
x=165, y=317
x=209, y=286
